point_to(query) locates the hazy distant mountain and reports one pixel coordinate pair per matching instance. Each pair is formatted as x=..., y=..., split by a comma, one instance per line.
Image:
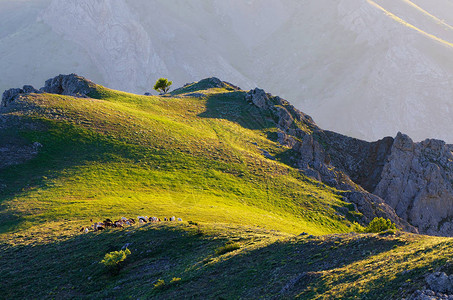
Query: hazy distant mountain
x=363, y=68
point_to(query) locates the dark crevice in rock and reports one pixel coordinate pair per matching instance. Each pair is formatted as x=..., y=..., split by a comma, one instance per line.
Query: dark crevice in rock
x=362, y=161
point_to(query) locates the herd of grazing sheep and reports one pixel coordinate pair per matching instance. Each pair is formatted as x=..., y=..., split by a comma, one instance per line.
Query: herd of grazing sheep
x=121, y=223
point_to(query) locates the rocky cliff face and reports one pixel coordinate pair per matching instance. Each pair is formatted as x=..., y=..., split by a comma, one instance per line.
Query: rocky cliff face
x=315, y=148
x=392, y=177
x=417, y=182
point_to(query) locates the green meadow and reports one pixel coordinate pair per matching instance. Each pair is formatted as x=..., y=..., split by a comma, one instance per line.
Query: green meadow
x=199, y=157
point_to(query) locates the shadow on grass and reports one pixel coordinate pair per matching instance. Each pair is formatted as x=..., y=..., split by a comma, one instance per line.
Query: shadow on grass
x=284, y=269
x=64, y=146
x=70, y=268
x=232, y=106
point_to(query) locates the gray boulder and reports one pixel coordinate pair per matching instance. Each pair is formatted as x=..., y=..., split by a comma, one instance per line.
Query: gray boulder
x=10, y=95
x=72, y=85
x=28, y=89
x=258, y=97
x=440, y=282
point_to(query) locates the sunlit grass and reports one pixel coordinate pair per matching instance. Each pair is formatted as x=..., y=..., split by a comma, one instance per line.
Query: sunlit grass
x=128, y=155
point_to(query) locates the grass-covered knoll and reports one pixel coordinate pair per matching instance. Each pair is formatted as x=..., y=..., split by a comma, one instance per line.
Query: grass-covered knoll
x=126, y=155
x=47, y=263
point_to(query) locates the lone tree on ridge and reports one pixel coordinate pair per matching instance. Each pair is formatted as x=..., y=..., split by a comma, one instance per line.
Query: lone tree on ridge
x=162, y=85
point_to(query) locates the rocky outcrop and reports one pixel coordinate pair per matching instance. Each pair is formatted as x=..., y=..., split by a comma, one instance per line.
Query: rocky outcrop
x=392, y=175
x=361, y=160
x=417, y=182
x=320, y=154
x=429, y=295
x=71, y=85
x=440, y=282
x=258, y=97
x=11, y=94
x=440, y=286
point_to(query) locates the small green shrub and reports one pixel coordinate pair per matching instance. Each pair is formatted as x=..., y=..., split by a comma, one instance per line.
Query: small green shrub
x=113, y=259
x=175, y=280
x=230, y=246
x=199, y=230
x=379, y=225
x=356, y=227
x=160, y=284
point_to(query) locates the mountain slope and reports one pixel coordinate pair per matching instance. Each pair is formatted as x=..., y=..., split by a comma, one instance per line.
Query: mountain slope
x=391, y=178
x=367, y=69
x=123, y=154
x=57, y=262
x=241, y=168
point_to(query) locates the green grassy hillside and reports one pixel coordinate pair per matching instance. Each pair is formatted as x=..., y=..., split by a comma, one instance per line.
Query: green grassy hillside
x=198, y=154
x=55, y=262
x=200, y=159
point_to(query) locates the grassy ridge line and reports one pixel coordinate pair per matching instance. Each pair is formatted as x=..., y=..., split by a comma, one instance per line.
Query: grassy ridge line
x=132, y=155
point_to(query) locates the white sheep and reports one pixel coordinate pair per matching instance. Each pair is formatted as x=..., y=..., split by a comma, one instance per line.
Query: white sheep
x=179, y=219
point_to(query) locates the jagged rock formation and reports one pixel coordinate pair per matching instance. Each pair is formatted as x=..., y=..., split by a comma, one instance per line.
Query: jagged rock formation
x=11, y=94
x=72, y=85
x=417, y=181
x=299, y=132
x=414, y=179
